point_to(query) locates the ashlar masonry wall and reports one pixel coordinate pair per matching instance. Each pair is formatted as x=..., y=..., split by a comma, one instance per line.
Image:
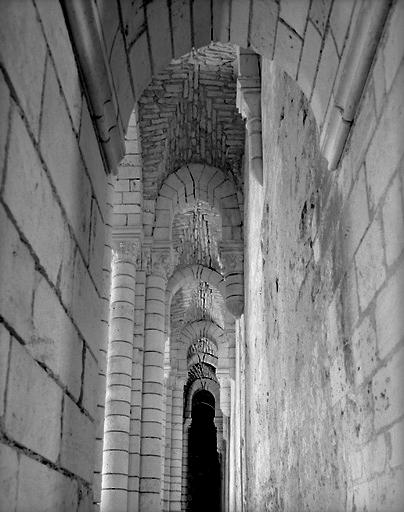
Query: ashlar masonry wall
x=325, y=295
x=53, y=297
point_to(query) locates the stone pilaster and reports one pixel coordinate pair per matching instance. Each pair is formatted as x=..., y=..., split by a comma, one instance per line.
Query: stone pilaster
x=114, y=496
x=249, y=106
x=232, y=260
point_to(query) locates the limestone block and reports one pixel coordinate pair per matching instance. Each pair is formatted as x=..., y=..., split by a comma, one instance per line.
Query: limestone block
x=288, y=47
x=327, y=71
x=387, y=388
x=374, y=456
x=109, y=18
x=42, y=488
x=30, y=198
x=150, y=493
x=153, y=373
x=60, y=149
x=295, y=14
x=4, y=352
x=152, y=415
x=393, y=222
x=122, y=79
x=386, y=149
x=155, y=306
x=90, y=148
x=77, y=444
x=135, y=18
x=122, y=310
x=8, y=478
x=309, y=59
x=54, y=25
x=154, y=321
x=379, y=83
x=55, y=341
x=340, y=18
x=240, y=13
x=369, y=264
x=96, y=248
x=364, y=351
x=389, y=317
x=30, y=420
x=150, y=447
x=153, y=388
x=153, y=402
x=113, y=480
x=15, y=260
x=263, y=25
x=86, y=306
x=118, y=393
x=117, y=464
x=150, y=464
x=91, y=384
x=362, y=131
x=393, y=47
x=115, y=440
x=201, y=23
x=159, y=31
x=319, y=13
x=396, y=436
x=355, y=218
x=221, y=20
x=20, y=32
x=181, y=26
x=121, y=185
x=4, y=113
x=86, y=500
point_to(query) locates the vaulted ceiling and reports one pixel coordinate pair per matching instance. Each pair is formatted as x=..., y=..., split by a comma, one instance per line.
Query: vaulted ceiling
x=188, y=114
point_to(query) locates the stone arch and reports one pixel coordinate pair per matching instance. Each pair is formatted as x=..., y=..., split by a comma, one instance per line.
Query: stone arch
x=316, y=43
x=192, y=273
x=210, y=385
x=209, y=354
x=193, y=182
x=192, y=332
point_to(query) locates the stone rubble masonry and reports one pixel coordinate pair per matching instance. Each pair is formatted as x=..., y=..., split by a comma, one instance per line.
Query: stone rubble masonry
x=52, y=213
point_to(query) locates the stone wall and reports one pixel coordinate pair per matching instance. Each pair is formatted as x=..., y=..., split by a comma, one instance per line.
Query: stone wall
x=52, y=212
x=324, y=293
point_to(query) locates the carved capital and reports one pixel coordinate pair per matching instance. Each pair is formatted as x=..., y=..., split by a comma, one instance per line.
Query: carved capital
x=162, y=262
x=125, y=251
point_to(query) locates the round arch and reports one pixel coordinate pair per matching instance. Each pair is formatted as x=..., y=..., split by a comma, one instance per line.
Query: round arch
x=310, y=41
x=192, y=273
x=191, y=183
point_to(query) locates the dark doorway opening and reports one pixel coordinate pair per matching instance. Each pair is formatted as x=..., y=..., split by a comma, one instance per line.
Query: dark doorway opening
x=203, y=462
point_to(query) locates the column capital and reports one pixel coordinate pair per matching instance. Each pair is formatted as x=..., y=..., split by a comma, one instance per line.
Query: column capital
x=162, y=262
x=125, y=251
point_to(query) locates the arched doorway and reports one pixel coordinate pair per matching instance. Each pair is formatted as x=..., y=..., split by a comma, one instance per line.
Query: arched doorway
x=203, y=458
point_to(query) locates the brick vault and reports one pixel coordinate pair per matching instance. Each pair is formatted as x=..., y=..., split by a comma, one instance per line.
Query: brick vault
x=201, y=255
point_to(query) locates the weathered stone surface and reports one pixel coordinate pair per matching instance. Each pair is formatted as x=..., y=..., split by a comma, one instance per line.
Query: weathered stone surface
x=30, y=420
